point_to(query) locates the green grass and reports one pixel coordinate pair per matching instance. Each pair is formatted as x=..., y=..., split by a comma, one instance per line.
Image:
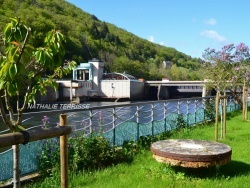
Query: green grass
x=144, y=171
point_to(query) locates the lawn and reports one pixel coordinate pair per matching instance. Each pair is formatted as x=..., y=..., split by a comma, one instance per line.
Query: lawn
x=144, y=171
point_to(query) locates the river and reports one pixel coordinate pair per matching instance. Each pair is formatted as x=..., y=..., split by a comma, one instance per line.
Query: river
x=107, y=114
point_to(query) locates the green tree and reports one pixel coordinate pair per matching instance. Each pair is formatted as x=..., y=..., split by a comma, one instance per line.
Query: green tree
x=134, y=68
x=103, y=30
x=94, y=31
x=176, y=73
x=229, y=69
x=22, y=74
x=109, y=37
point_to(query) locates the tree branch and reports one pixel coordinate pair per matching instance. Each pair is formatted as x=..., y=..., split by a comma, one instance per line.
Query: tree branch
x=20, y=110
x=30, y=63
x=23, y=46
x=236, y=97
x=8, y=106
x=4, y=116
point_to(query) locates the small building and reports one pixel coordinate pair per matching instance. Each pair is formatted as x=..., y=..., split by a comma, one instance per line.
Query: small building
x=89, y=81
x=121, y=85
x=166, y=64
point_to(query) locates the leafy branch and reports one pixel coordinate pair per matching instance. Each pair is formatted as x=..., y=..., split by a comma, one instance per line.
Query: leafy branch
x=23, y=68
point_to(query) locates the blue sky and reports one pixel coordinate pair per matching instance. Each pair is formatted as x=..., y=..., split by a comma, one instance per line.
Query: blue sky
x=189, y=26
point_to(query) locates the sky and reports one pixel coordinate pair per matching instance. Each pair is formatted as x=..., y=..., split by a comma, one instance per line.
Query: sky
x=189, y=26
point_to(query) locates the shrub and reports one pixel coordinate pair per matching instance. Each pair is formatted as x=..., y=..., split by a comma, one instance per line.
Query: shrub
x=91, y=153
x=49, y=156
x=180, y=122
x=210, y=110
x=85, y=153
x=88, y=153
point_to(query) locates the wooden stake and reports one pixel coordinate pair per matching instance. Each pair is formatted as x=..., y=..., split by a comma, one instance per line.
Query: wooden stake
x=246, y=101
x=243, y=103
x=64, y=153
x=216, y=116
x=224, y=115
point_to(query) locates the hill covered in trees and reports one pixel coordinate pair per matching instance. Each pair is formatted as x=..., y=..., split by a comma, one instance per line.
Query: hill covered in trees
x=88, y=37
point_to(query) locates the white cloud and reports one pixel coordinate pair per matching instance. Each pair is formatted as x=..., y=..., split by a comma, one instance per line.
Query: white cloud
x=161, y=43
x=151, y=38
x=211, y=21
x=213, y=35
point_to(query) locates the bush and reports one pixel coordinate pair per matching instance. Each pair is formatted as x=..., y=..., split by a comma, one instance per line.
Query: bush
x=85, y=153
x=210, y=110
x=91, y=153
x=49, y=156
x=88, y=153
x=181, y=123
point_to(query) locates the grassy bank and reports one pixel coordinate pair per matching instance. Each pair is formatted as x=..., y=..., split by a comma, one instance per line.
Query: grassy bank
x=144, y=171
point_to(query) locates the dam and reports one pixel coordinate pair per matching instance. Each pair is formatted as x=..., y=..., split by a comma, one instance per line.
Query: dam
x=89, y=82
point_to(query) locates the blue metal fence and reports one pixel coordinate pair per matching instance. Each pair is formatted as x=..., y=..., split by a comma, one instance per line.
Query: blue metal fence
x=117, y=123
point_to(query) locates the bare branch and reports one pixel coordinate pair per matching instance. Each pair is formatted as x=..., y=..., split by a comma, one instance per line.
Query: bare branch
x=30, y=63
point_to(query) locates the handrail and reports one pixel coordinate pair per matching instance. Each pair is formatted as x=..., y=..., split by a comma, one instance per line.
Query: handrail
x=115, y=105
x=39, y=133
x=28, y=115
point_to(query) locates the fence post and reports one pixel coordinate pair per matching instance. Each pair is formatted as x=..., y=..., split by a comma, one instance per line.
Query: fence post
x=152, y=109
x=188, y=112
x=178, y=107
x=113, y=125
x=195, y=107
x=204, y=109
x=90, y=122
x=137, y=122
x=165, y=116
x=64, y=153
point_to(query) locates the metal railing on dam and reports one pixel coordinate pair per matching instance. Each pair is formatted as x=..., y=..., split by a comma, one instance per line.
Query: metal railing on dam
x=118, y=123
x=167, y=89
x=175, y=83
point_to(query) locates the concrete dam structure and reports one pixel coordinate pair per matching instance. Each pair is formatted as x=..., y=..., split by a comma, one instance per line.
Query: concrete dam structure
x=162, y=90
x=89, y=82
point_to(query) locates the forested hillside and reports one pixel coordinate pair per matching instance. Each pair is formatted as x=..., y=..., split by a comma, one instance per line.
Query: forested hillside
x=88, y=37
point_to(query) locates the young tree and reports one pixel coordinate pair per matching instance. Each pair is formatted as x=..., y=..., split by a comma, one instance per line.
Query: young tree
x=228, y=69
x=25, y=71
